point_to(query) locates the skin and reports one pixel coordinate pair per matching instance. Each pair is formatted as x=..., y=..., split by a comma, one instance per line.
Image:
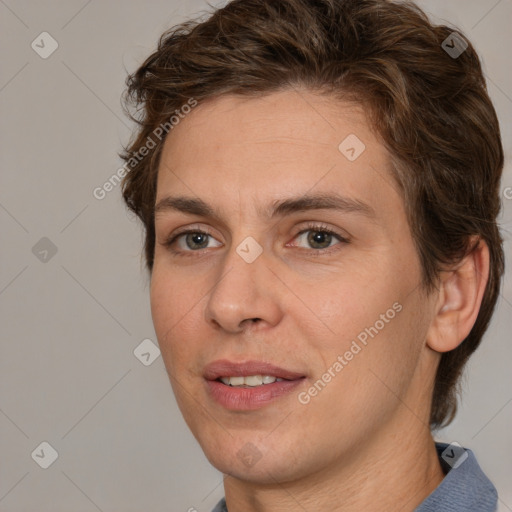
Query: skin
x=363, y=442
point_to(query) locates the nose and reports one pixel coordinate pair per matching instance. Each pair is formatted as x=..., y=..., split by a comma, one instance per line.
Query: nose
x=245, y=295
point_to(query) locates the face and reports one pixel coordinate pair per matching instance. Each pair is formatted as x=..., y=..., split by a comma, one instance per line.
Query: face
x=283, y=254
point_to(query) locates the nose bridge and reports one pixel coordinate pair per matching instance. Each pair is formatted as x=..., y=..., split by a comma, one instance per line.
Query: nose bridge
x=243, y=289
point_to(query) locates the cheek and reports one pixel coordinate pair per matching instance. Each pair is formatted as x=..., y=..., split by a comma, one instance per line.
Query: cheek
x=350, y=302
x=162, y=310
x=367, y=385
x=172, y=310
x=367, y=318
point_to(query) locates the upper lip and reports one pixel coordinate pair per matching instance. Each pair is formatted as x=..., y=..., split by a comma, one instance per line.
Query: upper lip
x=226, y=368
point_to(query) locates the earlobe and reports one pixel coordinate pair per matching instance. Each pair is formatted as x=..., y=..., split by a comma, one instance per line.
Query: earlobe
x=460, y=296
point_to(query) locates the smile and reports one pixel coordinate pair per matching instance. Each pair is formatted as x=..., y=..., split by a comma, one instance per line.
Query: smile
x=248, y=385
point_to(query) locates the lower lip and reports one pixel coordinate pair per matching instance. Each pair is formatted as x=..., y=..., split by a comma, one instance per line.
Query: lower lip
x=247, y=399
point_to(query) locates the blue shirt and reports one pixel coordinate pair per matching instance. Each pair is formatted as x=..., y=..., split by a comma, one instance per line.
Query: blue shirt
x=465, y=488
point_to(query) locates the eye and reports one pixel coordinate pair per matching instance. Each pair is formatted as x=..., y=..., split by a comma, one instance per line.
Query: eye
x=320, y=237
x=190, y=241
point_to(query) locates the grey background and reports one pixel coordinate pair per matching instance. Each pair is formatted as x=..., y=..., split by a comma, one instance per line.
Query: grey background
x=70, y=324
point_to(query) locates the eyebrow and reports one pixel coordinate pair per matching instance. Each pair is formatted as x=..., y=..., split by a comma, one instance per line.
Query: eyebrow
x=278, y=208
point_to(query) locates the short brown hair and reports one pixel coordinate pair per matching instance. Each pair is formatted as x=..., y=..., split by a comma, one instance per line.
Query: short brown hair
x=430, y=108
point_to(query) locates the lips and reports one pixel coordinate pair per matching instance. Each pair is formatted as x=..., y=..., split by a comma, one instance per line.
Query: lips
x=225, y=368
x=245, y=398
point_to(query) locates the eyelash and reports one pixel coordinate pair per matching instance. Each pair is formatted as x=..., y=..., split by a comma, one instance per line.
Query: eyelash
x=319, y=228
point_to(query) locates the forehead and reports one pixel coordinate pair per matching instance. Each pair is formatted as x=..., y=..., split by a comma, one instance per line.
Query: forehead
x=300, y=118
x=257, y=148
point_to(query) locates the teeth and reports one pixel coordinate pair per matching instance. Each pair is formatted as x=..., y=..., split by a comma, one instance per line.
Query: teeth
x=237, y=381
x=250, y=380
x=253, y=380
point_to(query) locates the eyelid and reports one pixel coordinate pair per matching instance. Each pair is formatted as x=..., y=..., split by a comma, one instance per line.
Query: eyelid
x=194, y=228
x=322, y=228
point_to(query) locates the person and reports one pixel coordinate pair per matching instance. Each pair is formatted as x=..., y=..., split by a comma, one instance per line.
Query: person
x=318, y=181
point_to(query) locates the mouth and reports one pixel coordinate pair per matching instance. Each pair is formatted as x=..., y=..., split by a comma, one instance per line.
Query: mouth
x=249, y=385
x=249, y=381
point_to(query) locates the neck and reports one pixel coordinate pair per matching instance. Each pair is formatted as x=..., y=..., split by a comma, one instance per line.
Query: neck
x=396, y=471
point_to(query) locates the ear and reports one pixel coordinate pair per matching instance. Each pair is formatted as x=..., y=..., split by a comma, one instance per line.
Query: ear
x=460, y=296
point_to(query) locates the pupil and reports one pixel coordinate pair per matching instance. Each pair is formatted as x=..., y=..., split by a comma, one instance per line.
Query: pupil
x=320, y=237
x=197, y=239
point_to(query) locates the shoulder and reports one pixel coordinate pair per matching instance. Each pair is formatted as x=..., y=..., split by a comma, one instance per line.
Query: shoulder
x=465, y=486
x=221, y=506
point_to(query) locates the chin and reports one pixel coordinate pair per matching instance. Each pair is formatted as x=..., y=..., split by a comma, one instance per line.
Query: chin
x=244, y=458
x=266, y=471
